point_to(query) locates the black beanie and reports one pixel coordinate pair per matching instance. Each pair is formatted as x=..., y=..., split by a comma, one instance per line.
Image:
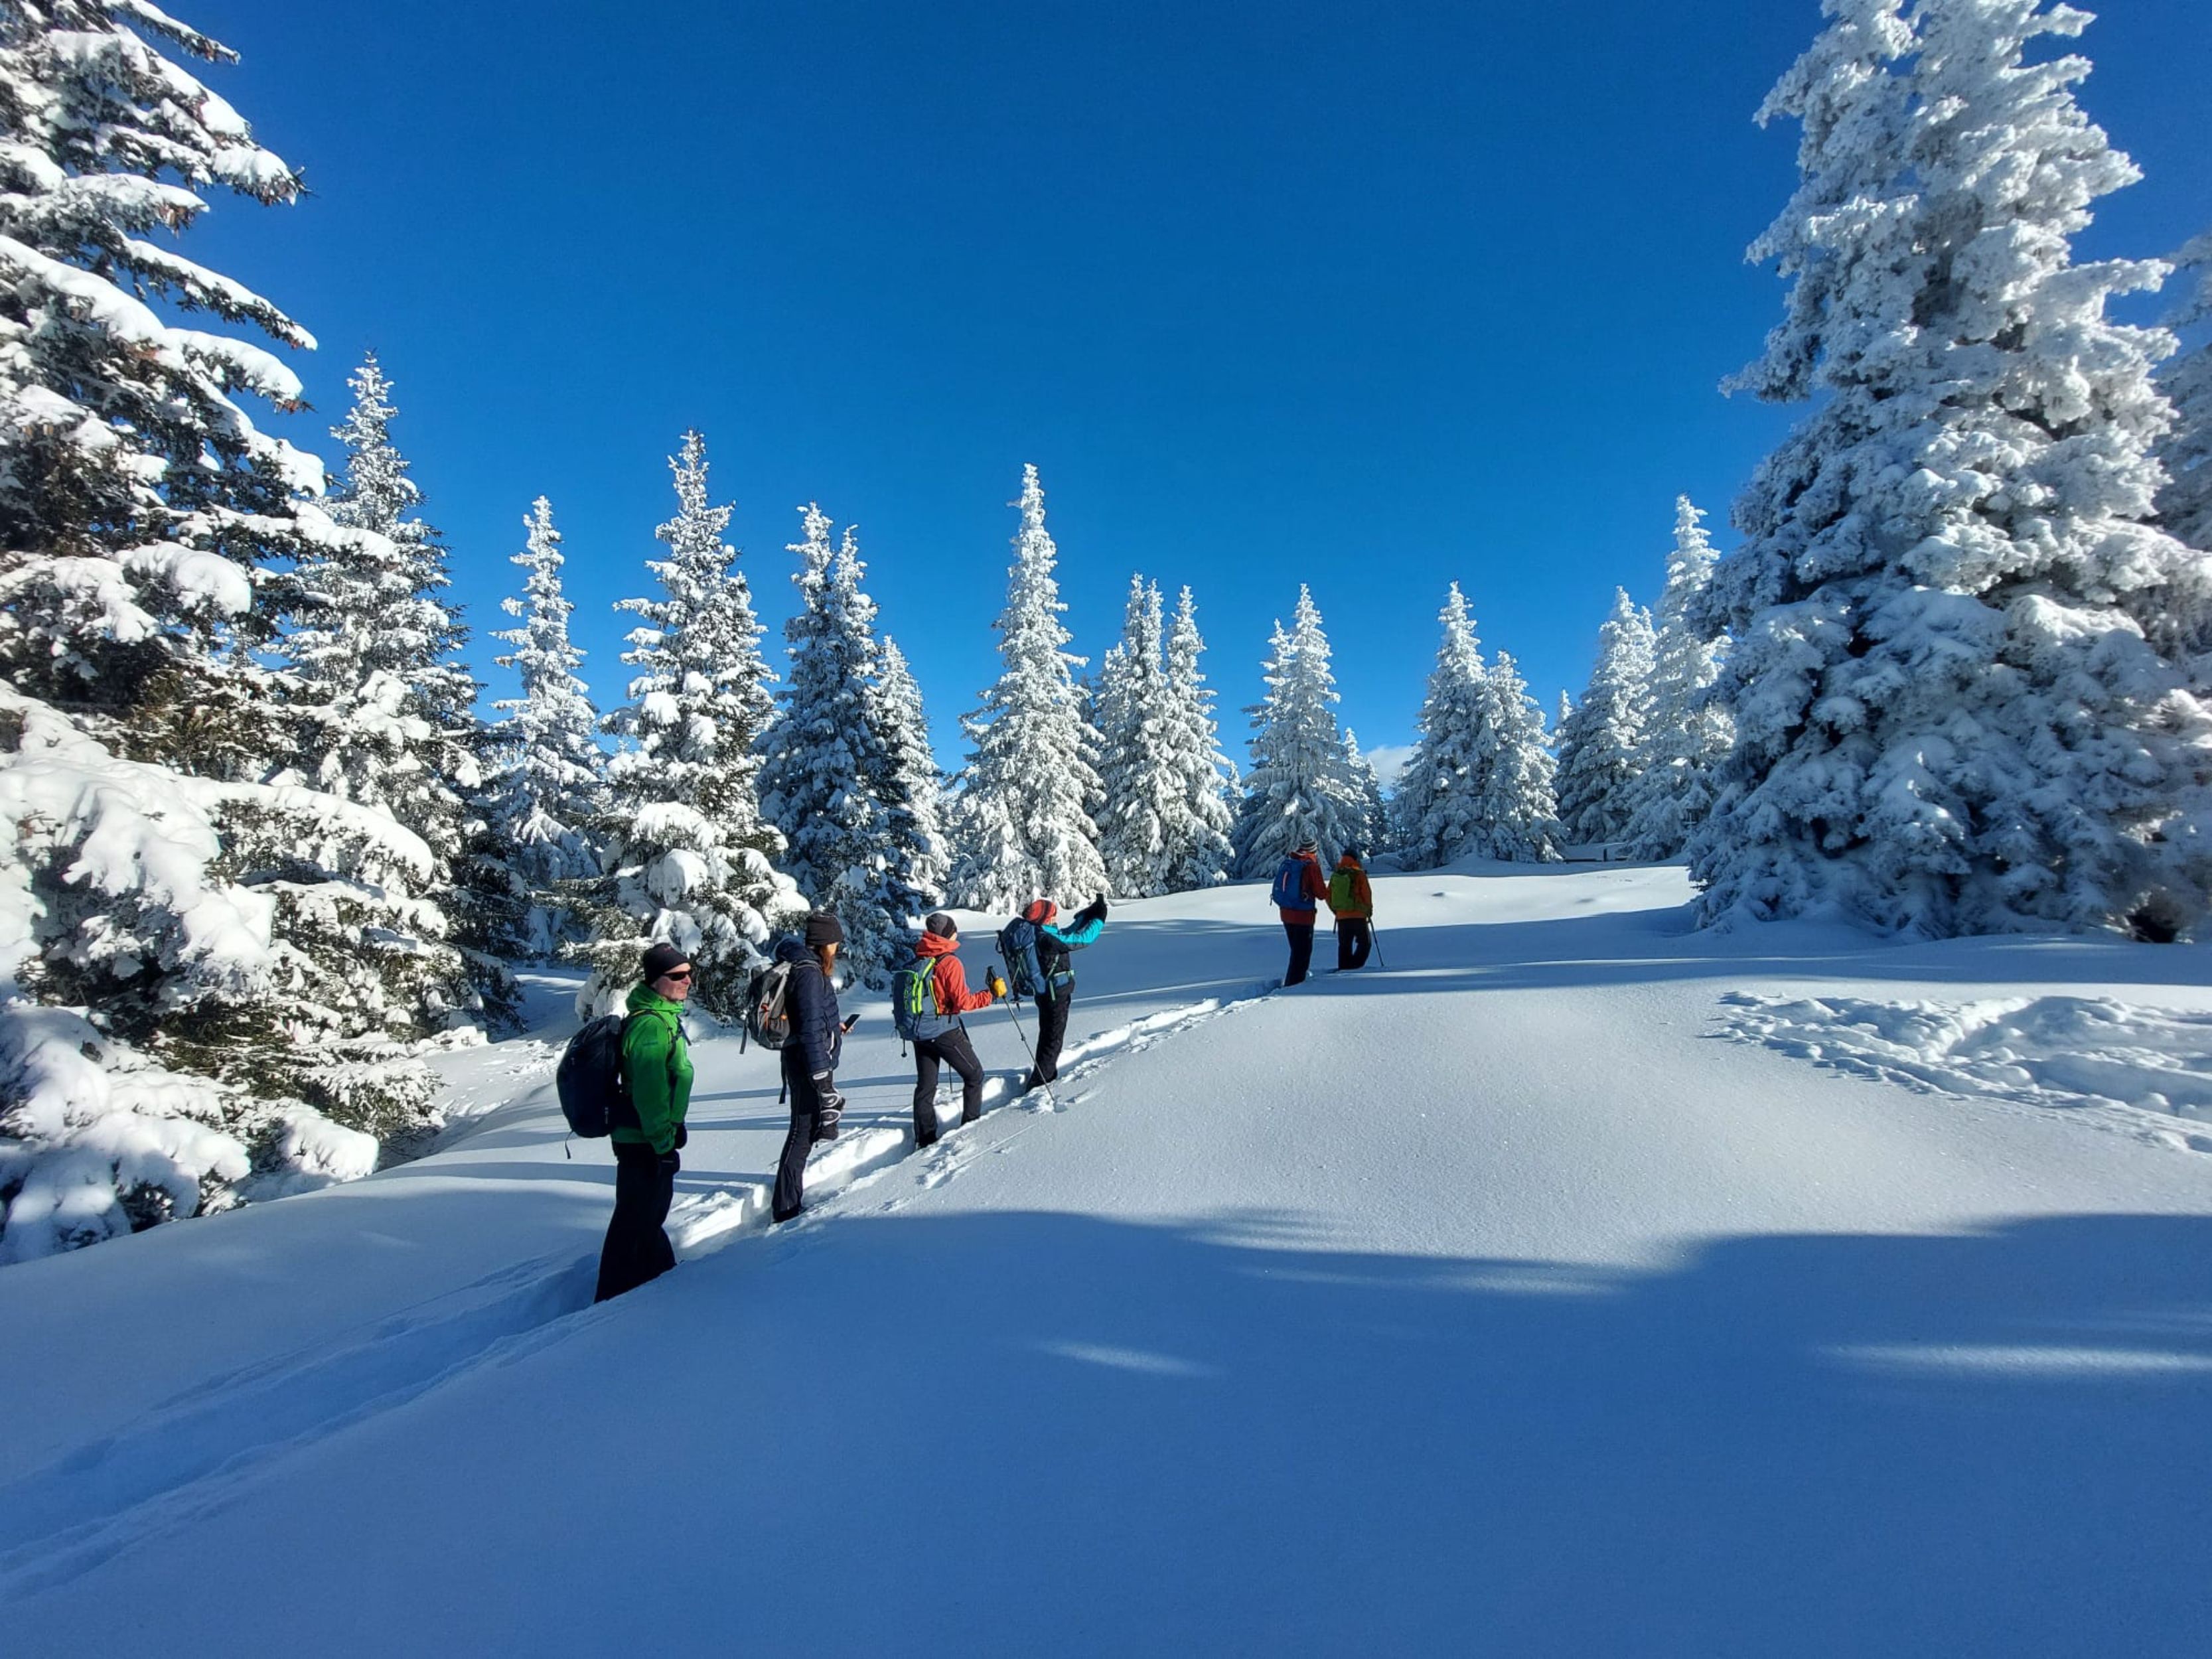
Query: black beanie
x=659, y=958
x=943, y=926
x=822, y=928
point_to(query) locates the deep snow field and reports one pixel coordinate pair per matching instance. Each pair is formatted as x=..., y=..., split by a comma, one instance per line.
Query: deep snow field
x=1573, y=1284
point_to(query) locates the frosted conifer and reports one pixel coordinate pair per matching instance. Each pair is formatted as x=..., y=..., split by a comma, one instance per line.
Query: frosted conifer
x=1689, y=734
x=1374, y=831
x=1959, y=670
x=549, y=785
x=2185, y=505
x=690, y=859
x=1197, y=852
x=1142, y=790
x=1601, y=744
x=1440, y=794
x=1518, y=810
x=1299, y=788
x=913, y=786
x=826, y=762
x=1025, y=831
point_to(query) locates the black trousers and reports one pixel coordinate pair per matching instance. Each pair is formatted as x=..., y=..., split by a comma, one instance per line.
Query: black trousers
x=1052, y=1031
x=790, y=1196
x=951, y=1049
x=637, y=1250
x=1355, y=937
x=1301, y=934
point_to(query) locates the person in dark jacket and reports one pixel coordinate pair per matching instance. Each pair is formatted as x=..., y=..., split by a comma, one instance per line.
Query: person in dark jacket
x=810, y=1057
x=950, y=997
x=1054, y=945
x=648, y=1128
x=1300, y=876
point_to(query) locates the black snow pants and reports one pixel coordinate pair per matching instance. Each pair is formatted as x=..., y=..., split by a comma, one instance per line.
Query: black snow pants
x=1301, y=934
x=1052, y=1031
x=790, y=1196
x=637, y=1250
x=1355, y=937
x=951, y=1049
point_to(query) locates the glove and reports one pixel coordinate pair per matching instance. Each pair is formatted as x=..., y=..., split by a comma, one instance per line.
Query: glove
x=683, y=1139
x=994, y=984
x=829, y=1106
x=1094, y=911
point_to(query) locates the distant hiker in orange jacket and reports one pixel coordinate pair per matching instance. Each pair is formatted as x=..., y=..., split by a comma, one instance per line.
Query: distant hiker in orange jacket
x=939, y=1037
x=1353, y=902
x=1299, y=888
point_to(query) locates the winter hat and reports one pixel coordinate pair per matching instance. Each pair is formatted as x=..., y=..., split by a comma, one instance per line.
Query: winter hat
x=822, y=928
x=659, y=958
x=1353, y=853
x=1041, y=911
x=1307, y=845
x=938, y=923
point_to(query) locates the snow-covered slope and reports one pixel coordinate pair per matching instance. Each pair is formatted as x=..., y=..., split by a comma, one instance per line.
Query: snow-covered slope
x=1486, y=1302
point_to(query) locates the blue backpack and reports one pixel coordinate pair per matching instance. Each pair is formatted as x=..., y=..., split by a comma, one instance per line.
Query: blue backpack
x=914, y=1013
x=1289, y=892
x=1018, y=942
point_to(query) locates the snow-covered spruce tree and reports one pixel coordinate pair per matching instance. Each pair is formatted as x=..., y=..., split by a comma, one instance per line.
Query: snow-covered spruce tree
x=912, y=786
x=1197, y=851
x=549, y=783
x=1959, y=674
x=382, y=714
x=1439, y=800
x=1601, y=744
x=825, y=762
x=1299, y=788
x=1024, y=833
x=1142, y=788
x=689, y=858
x=1689, y=734
x=2184, y=505
x=1374, y=814
x=1519, y=812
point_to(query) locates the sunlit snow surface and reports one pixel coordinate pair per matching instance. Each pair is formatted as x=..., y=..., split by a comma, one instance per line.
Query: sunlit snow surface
x=1483, y=1302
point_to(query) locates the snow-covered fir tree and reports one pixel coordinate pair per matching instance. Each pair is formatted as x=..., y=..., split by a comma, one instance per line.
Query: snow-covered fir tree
x=2184, y=505
x=1601, y=743
x=913, y=786
x=688, y=857
x=1518, y=809
x=1374, y=816
x=1140, y=784
x=549, y=784
x=1299, y=788
x=1689, y=734
x=384, y=714
x=204, y=962
x=1959, y=670
x=826, y=762
x=1440, y=793
x=1024, y=830
x=1197, y=851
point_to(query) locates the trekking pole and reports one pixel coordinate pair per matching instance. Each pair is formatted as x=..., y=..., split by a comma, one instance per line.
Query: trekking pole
x=1031, y=1052
x=1374, y=939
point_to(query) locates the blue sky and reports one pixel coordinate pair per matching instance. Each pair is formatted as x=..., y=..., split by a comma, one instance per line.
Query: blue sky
x=1372, y=298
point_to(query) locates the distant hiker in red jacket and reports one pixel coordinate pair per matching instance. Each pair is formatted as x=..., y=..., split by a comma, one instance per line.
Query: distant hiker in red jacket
x=1353, y=902
x=1298, y=891
x=939, y=1037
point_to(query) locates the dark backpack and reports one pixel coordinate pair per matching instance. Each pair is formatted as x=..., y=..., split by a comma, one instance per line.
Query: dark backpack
x=594, y=1093
x=1017, y=948
x=915, y=1011
x=767, y=1014
x=1289, y=892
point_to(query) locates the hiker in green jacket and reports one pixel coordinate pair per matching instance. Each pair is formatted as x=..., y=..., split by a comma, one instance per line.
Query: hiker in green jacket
x=648, y=1126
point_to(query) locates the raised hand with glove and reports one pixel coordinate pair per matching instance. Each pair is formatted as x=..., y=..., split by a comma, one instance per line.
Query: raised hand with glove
x=995, y=982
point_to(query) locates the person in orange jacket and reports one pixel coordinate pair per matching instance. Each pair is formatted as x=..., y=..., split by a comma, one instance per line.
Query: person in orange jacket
x=1353, y=902
x=1299, y=888
x=940, y=1038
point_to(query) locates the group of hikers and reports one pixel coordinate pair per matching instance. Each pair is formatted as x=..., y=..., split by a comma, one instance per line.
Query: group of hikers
x=931, y=994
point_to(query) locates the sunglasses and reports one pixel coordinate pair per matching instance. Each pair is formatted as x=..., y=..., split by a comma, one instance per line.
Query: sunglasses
x=680, y=974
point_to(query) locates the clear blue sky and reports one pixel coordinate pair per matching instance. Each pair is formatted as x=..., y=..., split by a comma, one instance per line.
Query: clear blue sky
x=1374, y=298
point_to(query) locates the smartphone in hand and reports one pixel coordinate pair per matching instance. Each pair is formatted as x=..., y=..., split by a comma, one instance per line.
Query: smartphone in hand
x=851, y=1020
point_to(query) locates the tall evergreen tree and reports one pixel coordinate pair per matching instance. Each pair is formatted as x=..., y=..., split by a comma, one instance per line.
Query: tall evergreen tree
x=2184, y=505
x=1025, y=830
x=826, y=762
x=1142, y=788
x=1373, y=831
x=1198, y=851
x=550, y=781
x=690, y=859
x=252, y=947
x=1518, y=809
x=913, y=786
x=1959, y=674
x=1299, y=788
x=1601, y=744
x=1440, y=795
x=1689, y=734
